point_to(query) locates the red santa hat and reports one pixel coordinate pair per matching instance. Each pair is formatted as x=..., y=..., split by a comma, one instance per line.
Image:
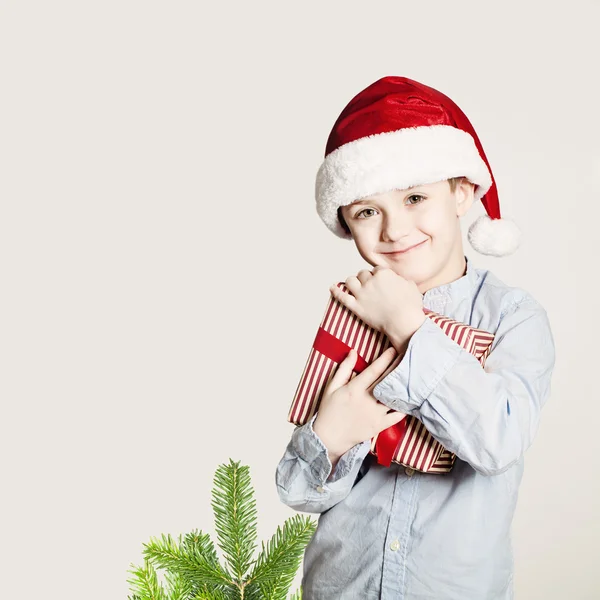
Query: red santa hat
x=398, y=133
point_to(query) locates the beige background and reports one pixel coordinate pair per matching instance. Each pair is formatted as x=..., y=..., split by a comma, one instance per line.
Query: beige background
x=164, y=270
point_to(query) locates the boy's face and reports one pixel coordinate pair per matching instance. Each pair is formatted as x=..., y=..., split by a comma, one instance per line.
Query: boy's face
x=422, y=222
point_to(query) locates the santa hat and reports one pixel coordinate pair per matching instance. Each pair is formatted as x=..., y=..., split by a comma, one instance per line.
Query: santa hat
x=398, y=133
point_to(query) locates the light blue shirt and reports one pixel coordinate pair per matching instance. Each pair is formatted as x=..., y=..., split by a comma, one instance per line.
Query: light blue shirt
x=393, y=533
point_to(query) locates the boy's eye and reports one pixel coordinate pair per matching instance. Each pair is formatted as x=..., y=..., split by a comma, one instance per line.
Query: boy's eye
x=419, y=198
x=362, y=211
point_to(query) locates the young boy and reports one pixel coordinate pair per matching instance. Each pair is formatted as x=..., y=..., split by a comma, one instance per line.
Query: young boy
x=402, y=165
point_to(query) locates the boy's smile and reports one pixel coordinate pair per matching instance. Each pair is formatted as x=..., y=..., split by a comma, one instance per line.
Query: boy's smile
x=402, y=252
x=415, y=232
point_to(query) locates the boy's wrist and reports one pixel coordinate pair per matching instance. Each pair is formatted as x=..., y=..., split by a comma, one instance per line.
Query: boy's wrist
x=334, y=448
x=400, y=336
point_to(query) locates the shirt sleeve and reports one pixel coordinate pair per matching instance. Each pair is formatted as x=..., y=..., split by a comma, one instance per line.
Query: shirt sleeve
x=487, y=416
x=303, y=476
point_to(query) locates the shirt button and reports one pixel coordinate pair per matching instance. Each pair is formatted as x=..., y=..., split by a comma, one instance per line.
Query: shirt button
x=395, y=545
x=410, y=472
x=320, y=488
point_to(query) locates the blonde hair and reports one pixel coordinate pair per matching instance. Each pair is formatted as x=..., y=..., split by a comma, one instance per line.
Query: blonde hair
x=453, y=182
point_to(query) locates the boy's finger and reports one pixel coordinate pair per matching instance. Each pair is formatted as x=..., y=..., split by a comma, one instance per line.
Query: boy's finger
x=344, y=371
x=376, y=368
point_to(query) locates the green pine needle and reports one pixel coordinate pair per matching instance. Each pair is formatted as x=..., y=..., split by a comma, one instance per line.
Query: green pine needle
x=146, y=586
x=235, y=516
x=192, y=568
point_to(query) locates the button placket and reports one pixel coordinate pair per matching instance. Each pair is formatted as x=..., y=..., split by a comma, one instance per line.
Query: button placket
x=398, y=536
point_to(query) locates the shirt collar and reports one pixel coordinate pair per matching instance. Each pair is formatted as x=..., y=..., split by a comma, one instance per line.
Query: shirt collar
x=458, y=288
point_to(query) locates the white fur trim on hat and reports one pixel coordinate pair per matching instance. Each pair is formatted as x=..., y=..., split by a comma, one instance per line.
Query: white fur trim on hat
x=396, y=160
x=494, y=237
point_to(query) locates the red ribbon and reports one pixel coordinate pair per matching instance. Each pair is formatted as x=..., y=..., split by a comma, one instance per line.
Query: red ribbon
x=389, y=439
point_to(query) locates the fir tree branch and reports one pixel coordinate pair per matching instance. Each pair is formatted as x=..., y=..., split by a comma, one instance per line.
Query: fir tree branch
x=297, y=595
x=193, y=569
x=145, y=584
x=235, y=517
x=178, y=587
x=206, y=595
x=197, y=564
x=277, y=564
x=196, y=543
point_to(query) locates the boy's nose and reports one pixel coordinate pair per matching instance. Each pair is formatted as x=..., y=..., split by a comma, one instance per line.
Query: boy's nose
x=395, y=227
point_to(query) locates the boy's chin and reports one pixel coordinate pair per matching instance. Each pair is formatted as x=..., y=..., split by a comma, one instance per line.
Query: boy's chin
x=411, y=272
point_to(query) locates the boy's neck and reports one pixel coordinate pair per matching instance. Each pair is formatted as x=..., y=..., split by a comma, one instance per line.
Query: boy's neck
x=453, y=270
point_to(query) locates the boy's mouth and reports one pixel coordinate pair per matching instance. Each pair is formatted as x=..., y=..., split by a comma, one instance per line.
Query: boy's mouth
x=405, y=250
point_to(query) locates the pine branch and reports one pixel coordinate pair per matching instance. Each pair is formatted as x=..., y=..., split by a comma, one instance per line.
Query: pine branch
x=197, y=563
x=178, y=587
x=192, y=565
x=145, y=584
x=278, y=563
x=297, y=595
x=206, y=595
x=235, y=517
x=194, y=544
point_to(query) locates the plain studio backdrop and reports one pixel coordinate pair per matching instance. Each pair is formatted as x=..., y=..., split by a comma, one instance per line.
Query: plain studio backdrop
x=164, y=270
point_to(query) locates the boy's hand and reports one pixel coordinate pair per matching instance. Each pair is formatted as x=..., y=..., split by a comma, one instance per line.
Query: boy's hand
x=385, y=301
x=348, y=412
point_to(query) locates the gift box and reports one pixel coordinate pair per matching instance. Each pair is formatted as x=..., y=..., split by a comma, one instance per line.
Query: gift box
x=408, y=442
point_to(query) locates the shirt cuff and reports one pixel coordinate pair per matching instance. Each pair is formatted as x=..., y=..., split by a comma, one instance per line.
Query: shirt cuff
x=429, y=356
x=309, y=446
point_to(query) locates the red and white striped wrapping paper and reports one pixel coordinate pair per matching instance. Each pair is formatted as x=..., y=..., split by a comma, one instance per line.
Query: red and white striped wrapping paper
x=408, y=442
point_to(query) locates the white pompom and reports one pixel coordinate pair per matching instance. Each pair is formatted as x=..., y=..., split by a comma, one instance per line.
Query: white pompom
x=494, y=237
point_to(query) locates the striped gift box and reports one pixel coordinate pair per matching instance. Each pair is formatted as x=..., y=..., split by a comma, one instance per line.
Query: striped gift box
x=408, y=442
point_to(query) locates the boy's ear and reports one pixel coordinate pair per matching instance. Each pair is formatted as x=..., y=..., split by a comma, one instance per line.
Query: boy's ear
x=464, y=196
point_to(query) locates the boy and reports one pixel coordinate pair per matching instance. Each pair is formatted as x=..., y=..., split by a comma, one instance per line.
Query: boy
x=402, y=165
